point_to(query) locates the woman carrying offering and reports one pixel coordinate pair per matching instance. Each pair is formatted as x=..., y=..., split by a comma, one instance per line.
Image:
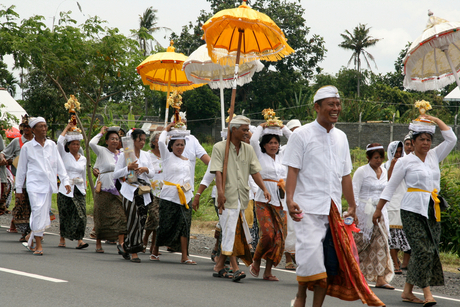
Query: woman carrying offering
x=136, y=193
x=72, y=206
x=271, y=215
x=420, y=206
x=176, y=194
x=368, y=183
x=109, y=216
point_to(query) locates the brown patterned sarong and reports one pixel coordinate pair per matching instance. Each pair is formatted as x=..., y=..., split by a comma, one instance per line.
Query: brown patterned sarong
x=273, y=227
x=349, y=284
x=4, y=189
x=241, y=246
x=153, y=214
x=374, y=254
x=136, y=214
x=109, y=216
x=21, y=213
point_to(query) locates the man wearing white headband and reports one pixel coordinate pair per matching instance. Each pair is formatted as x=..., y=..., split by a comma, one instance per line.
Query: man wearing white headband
x=242, y=162
x=319, y=166
x=39, y=162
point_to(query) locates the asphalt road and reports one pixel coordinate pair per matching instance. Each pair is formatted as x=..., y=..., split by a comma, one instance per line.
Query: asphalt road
x=70, y=277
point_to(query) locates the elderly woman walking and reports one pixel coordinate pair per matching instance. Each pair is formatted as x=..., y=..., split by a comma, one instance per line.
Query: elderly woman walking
x=420, y=206
x=136, y=193
x=72, y=206
x=109, y=216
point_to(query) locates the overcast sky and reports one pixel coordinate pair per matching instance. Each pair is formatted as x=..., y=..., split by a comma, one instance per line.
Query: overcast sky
x=395, y=22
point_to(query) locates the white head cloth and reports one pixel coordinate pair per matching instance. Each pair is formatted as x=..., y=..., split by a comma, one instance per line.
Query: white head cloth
x=73, y=136
x=224, y=133
x=420, y=127
x=391, y=151
x=328, y=91
x=293, y=123
x=240, y=120
x=408, y=136
x=35, y=120
x=272, y=130
x=374, y=148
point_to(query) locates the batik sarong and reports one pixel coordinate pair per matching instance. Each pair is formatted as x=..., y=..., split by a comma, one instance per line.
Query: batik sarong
x=175, y=222
x=72, y=215
x=424, y=268
x=136, y=214
x=109, y=216
x=273, y=229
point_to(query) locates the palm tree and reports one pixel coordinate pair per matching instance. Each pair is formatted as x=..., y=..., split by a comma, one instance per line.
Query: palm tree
x=356, y=42
x=147, y=26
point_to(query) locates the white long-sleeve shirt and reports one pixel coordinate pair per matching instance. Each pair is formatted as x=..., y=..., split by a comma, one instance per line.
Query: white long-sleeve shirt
x=272, y=169
x=121, y=170
x=41, y=165
x=105, y=162
x=367, y=189
x=75, y=169
x=420, y=175
x=175, y=170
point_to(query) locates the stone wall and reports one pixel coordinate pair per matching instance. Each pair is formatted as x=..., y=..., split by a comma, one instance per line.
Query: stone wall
x=359, y=135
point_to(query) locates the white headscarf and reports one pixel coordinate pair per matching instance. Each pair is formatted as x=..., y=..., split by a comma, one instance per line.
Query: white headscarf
x=392, y=147
x=293, y=123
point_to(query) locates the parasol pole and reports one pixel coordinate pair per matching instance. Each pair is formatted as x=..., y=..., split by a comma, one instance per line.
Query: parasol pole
x=222, y=103
x=232, y=107
x=454, y=71
x=167, y=96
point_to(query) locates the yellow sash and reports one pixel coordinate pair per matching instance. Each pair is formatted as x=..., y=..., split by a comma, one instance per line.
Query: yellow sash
x=434, y=195
x=182, y=198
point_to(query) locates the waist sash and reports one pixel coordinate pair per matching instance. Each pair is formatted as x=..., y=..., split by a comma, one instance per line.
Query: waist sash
x=434, y=195
x=181, y=193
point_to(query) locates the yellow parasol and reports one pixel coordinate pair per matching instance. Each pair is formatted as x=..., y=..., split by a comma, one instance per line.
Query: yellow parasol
x=242, y=30
x=163, y=71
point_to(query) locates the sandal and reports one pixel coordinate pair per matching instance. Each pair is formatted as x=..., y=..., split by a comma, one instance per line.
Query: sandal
x=61, y=245
x=238, y=275
x=253, y=271
x=222, y=274
x=189, y=261
x=12, y=230
x=38, y=253
x=81, y=246
x=154, y=257
x=290, y=266
x=136, y=260
x=429, y=303
x=385, y=286
x=29, y=248
x=99, y=250
x=22, y=239
x=413, y=300
x=398, y=272
x=271, y=278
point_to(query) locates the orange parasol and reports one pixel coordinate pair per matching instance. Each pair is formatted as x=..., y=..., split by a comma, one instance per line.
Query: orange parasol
x=163, y=70
x=247, y=31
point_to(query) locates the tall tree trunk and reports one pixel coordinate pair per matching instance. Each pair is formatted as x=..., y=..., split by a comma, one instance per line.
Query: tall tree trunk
x=359, y=74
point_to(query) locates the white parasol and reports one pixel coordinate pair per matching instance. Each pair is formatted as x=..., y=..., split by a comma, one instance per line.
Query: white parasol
x=433, y=59
x=199, y=68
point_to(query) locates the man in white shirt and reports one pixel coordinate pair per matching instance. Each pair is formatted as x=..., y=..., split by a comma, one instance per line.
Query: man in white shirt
x=40, y=162
x=319, y=167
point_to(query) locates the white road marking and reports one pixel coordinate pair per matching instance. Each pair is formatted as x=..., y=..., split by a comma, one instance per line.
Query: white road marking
x=31, y=275
x=196, y=256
